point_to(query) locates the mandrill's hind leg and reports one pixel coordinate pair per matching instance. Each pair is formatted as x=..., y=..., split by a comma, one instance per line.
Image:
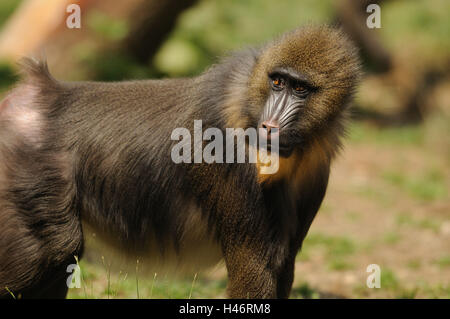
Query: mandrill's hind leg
x=53, y=285
x=40, y=229
x=29, y=266
x=40, y=233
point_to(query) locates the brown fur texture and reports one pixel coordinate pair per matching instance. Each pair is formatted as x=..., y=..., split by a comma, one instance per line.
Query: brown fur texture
x=100, y=153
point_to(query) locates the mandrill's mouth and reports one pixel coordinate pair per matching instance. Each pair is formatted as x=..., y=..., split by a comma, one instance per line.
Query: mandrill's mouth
x=269, y=134
x=283, y=149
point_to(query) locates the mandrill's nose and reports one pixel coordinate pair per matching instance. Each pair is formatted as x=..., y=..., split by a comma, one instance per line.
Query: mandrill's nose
x=269, y=129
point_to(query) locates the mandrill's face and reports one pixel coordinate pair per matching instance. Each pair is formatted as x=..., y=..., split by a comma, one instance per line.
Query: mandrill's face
x=300, y=86
x=287, y=97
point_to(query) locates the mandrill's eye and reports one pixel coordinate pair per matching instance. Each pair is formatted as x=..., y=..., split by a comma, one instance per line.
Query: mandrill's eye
x=300, y=89
x=278, y=82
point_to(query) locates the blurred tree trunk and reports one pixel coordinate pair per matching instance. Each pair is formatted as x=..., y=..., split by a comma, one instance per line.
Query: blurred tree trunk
x=33, y=22
x=40, y=26
x=412, y=90
x=352, y=17
x=152, y=21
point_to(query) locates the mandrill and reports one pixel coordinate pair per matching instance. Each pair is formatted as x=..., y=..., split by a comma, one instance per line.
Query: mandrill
x=90, y=155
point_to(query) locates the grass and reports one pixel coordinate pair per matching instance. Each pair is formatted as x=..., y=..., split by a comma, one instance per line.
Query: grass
x=428, y=186
x=389, y=285
x=443, y=262
x=101, y=282
x=414, y=264
x=376, y=194
x=304, y=291
x=389, y=279
x=398, y=136
x=333, y=245
x=407, y=293
x=437, y=291
x=391, y=237
x=352, y=216
x=337, y=250
x=11, y=293
x=338, y=264
x=423, y=223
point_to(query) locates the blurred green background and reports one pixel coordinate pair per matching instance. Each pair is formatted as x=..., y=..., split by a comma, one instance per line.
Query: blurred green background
x=388, y=200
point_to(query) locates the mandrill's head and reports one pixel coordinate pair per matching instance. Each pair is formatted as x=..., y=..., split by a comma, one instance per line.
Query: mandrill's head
x=299, y=86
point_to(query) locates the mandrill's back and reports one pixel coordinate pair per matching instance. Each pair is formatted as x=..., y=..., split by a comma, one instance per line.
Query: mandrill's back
x=102, y=151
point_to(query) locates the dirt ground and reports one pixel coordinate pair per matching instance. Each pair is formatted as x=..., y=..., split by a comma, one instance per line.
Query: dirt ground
x=380, y=222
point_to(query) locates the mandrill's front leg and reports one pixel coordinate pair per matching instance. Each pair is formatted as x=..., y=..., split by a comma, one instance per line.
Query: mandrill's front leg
x=255, y=255
x=253, y=271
